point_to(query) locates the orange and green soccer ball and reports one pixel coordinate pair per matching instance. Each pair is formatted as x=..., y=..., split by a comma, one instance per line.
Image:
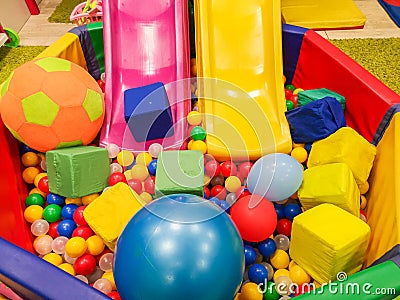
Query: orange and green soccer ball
x=51, y=103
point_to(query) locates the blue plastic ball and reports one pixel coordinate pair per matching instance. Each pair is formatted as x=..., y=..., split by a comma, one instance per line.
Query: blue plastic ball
x=24, y=148
x=249, y=254
x=280, y=210
x=291, y=210
x=55, y=199
x=258, y=273
x=214, y=200
x=68, y=210
x=225, y=205
x=275, y=176
x=267, y=247
x=66, y=227
x=175, y=247
x=152, y=167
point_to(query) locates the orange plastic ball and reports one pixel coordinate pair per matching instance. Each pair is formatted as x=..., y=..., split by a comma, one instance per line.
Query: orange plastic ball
x=86, y=200
x=37, y=191
x=33, y=213
x=29, y=174
x=77, y=201
x=30, y=159
x=95, y=245
x=250, y=291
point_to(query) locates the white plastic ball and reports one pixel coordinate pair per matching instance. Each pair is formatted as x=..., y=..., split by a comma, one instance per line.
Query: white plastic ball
x=155, y=149
x=58, y=244
x=103, y=285
x=282, y=242
x=106, y=262
x=113, y=150
x=39, y=227
x=115, y=167
x=42, y=244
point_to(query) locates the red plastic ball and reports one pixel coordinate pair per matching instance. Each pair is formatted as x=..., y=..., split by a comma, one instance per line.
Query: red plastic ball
x=255, y=217
x=241, y=192
x=207, y=192
x=219, y=192
x=228, y=168
x=116, y=177
x=114, y=295
x=212, y=168
x=136, y=185
x=284, y=227
x=149, y=185
x=288, y=94
x=53, y=230
x=101, y=84
x=84, y=231
x=78, y=217
x=294, y=99
x=43, y=184
x=244, y=168
x=85, y=264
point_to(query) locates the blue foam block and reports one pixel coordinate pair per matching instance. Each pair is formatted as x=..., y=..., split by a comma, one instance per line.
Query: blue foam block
x=148, y=113
x=34, y=278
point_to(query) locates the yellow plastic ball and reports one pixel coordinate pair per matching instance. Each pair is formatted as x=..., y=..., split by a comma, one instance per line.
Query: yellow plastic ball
x=298, y=275
x=194, y=118
x=189, y=145
x=37, y=191
x=295, y=145
x=280, y=259
x=281, y=272
x=143, y=158
x=86, y=200
x=75, y=247
x=232, y=184
x=110, y=276
x=30, y=159
x=364, y=188
x=77, y=201
x=95, y=245
x=33, y=213
x=250, y=291
x=139, y=172
x=38, y=177
x=146, y=197
x=125, y=158
x=298, y=90
x=207, y=180
x=128, y=174
x=29, y=174
x=67, y=268
x=199, y=145
x=363, y=203
x=300, y=154
x=53, y=258
x=292, y=264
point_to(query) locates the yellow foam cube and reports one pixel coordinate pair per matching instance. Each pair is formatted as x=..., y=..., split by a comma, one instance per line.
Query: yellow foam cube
x=109, y=213
x=332, y=183
x=327, y=240
x=346, y=146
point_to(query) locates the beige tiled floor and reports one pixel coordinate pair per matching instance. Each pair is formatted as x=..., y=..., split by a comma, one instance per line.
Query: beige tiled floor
x=38, y=31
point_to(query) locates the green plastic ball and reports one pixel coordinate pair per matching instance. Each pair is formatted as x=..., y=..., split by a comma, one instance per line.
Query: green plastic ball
x=271, y=293
x=289, y=104
x=198, y=133
x=290, y=87
x=52, y=213
x=34, y=199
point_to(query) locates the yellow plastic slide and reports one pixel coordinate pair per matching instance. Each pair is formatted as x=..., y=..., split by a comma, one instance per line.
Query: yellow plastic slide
x=240, y=77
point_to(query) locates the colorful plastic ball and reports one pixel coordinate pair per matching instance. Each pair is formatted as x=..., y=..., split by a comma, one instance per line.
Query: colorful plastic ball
x=29, y=174
x=82, y=278
x=289, y=105
x=103, y=285
x=39, y=227
x=34, y=199
x=218, y=191
x=33, y=213
x=43, y=184
x=30, y=159
x=69, y=259
x=249, y=254
x=291, y=210
x=280, y=210
x=52, y=213
x=194, y=118
x=300, y=154
x=85, y=264
x=285, y=287
x=363, y=202
x=149, y=185
x=255, y=217
x=136, y=185
x=225, y=205
x=96, y=274
x=95, y=245
x=143, y=158
x=207, y=192
x=198, y=133
x=280, y=259
x=267, y=247
x=275, y=176
x=290, y=87
x=139, y=172
x=53, y=258
x=282, y=242
x=228, y=168
x=116, y=177
x=167, y=236
x=245, y=167
x=125, y=158
x=113, y=150
x=53, y=229
x=146, y=197
x=152, y=167
x=198, y=145
x=110, y=276
x=271, y=293
x=42, y=244
x=83, y=231
x=86, y=200
x=58, y=244
x=116, y=167
x=35, y=190
x=298, y=275
x=66, y=228
x=155, y=149
x=75, y=247
x=270, y=269
x=55, y=199
x=288, y=94
x=242, y=192
x=281, y=272
x=212, y=168
x=250, y=291
x=284, y=227
x=67, y=212
x=295, y=99
x=106, y=262
x=217, y=180
x=232, y=183
x=364, y=188
x=78, y=216
x=231, y=198
x=258, y=273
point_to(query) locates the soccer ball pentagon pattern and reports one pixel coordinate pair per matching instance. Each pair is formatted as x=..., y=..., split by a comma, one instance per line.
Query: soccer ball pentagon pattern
x=51, y=103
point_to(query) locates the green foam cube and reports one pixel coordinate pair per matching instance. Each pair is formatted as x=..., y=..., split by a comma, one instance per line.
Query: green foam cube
x=77, y=171
x=180, y=171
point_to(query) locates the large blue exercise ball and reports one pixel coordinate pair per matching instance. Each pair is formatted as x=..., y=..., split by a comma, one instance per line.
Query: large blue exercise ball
x=275, y=176
x=179, y=247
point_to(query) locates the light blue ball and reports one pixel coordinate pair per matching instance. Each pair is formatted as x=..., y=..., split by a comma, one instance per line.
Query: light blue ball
x=179, y=247
x=275, y=176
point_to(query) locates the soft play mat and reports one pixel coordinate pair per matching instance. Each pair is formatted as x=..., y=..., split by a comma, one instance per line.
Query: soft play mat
x=323, y=14
x=392, y=7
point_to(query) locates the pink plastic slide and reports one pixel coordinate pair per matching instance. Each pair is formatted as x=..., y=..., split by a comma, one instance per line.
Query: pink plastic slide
x=145, y=42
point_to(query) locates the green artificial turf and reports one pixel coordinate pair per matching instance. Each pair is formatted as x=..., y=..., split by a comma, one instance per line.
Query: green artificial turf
x=381, y=57
x=12, y=58
x=63, y=11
